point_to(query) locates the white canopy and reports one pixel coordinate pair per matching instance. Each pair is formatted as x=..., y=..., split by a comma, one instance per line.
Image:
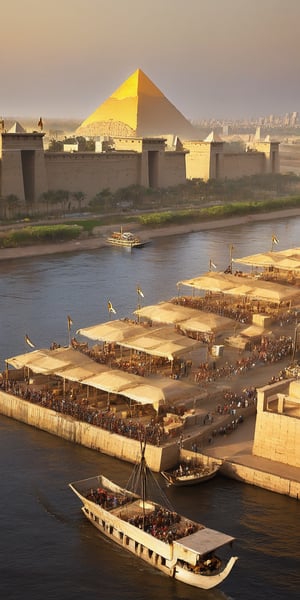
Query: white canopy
x=188, y=319
x=244, y=286
x=158, y=341
x=71, y=364
x=286, y=260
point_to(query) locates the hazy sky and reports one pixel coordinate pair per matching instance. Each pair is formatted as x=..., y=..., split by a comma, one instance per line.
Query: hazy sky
x=211, y=58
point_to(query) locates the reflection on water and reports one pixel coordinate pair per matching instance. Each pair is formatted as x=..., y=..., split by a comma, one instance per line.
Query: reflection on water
x=261, y=516
x=48, y=549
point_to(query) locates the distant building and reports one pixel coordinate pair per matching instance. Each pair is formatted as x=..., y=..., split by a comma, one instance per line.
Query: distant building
x=71, y=147
x=140, y=139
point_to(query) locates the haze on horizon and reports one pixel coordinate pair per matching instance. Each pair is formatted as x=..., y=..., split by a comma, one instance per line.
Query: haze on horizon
x=222, y=59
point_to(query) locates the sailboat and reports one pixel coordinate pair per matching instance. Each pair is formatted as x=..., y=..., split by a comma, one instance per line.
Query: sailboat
x=179, y=547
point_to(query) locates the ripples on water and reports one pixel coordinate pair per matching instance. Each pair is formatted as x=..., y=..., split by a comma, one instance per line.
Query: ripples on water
x=48, y=550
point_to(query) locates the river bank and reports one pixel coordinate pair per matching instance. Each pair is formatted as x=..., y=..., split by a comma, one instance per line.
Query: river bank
x=98, y=239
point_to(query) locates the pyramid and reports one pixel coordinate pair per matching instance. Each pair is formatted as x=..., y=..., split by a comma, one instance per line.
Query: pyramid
x=17, y=128
x=136, y=109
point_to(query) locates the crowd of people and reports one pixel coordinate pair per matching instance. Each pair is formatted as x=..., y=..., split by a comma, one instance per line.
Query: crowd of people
x=269, y=350
x=81, y=410
x=163, y=524
x=106, y=499
x=240, y=311
x=217, y=305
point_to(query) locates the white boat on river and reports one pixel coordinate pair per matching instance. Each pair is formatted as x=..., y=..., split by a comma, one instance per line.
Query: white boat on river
x=181, y=548
x=125, y=239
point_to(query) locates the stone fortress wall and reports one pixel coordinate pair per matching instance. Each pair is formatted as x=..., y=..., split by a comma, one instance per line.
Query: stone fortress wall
x=27, y=171
x=277, y=430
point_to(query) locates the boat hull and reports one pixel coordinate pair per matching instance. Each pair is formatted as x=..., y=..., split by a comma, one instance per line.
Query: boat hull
x=188, y=480
x=125, y=244
x=156, y=553
x=125, y=240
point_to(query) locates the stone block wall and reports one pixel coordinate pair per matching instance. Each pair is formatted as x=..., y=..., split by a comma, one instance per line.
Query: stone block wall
x=91, y=172
x=90, y=436
x=277, y=435
x=243, y=164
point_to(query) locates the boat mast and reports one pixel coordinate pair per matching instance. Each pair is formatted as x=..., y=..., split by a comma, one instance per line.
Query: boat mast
x=143, y=478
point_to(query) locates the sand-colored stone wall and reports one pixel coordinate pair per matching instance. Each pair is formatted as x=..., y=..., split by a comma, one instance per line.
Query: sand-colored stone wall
x=210, y=160
x=277, y=438
x=174, y=169
x=197, y=160
x=158, y=458
x=262, y=479
x=27, y=171
x=92, y=172
x=11, y=176
x=12, y=146
x=87, y=435
x=243, y=164
x=271, y=152
x=277, y=434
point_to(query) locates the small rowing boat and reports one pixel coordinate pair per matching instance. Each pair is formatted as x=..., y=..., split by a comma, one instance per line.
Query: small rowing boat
x=186, y=474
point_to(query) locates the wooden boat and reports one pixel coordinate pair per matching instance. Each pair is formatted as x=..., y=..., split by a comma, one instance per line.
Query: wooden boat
x=190, y=475
x=125, y=239
x=180, y=548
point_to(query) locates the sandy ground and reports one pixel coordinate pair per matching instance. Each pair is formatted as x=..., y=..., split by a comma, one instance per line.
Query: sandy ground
x=98, y=240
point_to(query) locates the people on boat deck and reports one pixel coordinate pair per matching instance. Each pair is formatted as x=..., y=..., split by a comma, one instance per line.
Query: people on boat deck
x=105, y=499
x=163, y=524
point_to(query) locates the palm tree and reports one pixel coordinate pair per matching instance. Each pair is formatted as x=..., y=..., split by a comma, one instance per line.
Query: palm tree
x=47, y=197
x=62, y=198
x=79, y=197
x=102, y=200
x=12, y=202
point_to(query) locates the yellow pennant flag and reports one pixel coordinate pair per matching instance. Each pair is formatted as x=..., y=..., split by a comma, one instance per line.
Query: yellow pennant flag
x=29, y=342
x=70, y=322
x=110, y=308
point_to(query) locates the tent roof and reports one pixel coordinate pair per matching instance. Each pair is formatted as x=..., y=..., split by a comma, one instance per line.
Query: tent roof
x=286, y=260
x=72, y=364
x=166, y=312
x=189, y=319
x=244, y=286
x=113, y=331
x=160, y=341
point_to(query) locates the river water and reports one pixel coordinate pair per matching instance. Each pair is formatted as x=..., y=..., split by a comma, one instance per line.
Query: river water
x=47, y=548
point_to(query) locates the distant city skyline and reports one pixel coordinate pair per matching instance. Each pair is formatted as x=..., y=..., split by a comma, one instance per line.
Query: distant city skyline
x=232, y=59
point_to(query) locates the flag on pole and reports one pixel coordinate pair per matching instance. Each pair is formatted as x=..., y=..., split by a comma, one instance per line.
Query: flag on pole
x=139, y=292
x=70, y=322
x=110, y=308
x=29, y=342
x=274, y=240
